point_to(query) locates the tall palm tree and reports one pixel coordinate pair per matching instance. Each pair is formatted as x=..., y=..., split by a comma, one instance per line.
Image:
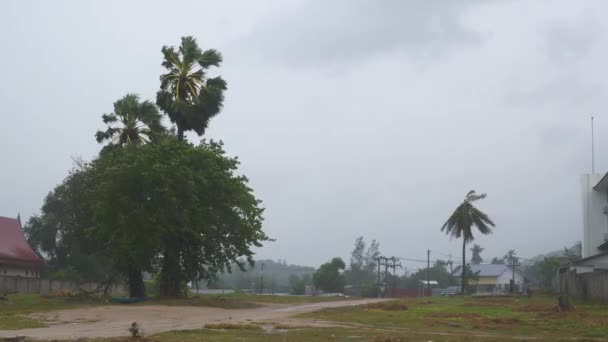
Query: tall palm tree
x=476, y=258
x=462, y=220
x=186, y=94
x=132, y=122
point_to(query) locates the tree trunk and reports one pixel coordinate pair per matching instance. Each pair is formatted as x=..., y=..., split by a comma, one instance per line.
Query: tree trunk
x=464, y=265
x=170, y=274
x=137, y=288
x=180, y=133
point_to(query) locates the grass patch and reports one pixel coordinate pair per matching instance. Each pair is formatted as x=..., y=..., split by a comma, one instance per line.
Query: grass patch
x=13, y=311
x=510, y=315
x=296, y=335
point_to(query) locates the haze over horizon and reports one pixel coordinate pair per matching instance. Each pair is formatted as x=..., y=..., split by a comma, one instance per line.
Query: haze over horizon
x=349, y=117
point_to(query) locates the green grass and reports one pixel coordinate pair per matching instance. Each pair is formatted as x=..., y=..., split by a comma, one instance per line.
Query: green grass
x=13, y=311
x=232, y=326
x=515, y=316
x=294, y=335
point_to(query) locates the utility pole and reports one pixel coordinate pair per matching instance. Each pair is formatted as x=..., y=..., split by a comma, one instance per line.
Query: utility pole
x=379, y=260
x=428, y=268
x=262, y=280
x=394, y=260
x=592, y=149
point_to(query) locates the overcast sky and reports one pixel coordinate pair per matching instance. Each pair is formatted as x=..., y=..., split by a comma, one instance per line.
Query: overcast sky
x=350, y=117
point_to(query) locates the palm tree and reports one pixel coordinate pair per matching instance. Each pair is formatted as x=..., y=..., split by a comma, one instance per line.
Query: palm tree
x=186, y=94
x=462, y=220
x=133, y=122
x=476, y=258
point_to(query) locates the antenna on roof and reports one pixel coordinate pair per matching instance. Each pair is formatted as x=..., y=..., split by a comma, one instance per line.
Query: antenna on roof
x=19, y=218
x=592, y=149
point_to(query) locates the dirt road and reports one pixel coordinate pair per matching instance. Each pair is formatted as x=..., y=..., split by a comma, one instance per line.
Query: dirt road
x=113, y=321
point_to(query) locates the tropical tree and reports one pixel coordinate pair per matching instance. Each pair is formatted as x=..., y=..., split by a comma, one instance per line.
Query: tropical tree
x=461, y=222
x=132, y=122
x=186, y=94
x=329, y=277
x=497, y=261
x=178, y=208
x=476, y=258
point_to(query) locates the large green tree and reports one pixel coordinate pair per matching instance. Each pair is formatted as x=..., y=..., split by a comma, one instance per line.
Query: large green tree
x=461, y=222
x=188, y=96
x=177, y=207
x=329, y=277
x=132, y=122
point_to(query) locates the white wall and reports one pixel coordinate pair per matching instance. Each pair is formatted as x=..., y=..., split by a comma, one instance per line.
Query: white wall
x=505, y=278
x=595, y=222
x=16, y=271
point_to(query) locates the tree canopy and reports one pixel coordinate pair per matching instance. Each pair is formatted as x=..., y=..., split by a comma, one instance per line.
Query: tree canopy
x=132, y=122
x=461, y=222
x=329, y=277
x=188, y=96
x=476, y=258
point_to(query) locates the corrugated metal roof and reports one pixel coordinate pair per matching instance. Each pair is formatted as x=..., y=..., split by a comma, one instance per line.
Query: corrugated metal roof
x=485, y=270
x=13, y=246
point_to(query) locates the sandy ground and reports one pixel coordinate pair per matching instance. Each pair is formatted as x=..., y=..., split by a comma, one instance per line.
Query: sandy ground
x=113, y=321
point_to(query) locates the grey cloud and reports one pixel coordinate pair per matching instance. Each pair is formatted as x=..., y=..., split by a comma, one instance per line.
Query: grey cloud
x=564, y=91
x=566, y=44
x=331, y=32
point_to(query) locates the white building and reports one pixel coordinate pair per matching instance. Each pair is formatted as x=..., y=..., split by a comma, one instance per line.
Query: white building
x=492, y=278
x=594, y=188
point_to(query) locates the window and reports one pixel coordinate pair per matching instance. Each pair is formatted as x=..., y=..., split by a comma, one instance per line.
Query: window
x=26, y=273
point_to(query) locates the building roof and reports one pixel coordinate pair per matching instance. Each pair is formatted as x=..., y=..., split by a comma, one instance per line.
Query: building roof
x=14, y=249
x=602, y=185
x=485, y=270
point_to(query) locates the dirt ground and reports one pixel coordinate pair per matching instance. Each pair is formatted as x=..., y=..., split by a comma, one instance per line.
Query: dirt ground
x=113, y=321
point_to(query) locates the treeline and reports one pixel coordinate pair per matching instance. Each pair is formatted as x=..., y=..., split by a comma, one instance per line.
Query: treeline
x=264, y=275
x=151, y=201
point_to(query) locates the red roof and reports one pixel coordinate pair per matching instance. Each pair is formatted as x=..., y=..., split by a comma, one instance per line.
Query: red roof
x=14, y=249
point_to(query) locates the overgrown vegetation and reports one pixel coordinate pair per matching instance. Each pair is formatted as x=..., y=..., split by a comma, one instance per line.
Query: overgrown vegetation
x=151, y=201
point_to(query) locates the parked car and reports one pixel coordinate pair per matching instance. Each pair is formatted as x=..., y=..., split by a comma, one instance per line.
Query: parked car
x=450, y=291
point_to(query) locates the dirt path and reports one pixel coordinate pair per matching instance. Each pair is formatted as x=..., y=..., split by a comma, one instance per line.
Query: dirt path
x=113, y=321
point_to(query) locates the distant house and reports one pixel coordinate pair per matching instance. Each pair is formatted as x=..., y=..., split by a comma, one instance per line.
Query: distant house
x=17, y=258
x=492, y=278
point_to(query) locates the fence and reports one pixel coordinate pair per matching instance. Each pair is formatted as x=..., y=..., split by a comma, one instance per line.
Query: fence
x=591, y=285
x=16, y=284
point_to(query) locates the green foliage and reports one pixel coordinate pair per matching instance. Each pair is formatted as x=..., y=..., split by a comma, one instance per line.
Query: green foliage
x=543, y=272
x=179, y=205
x=363, y=263
x=186, y=94
x=298, y=284
x=476, y=258
x=461, y=222
x=497, y=261
x=437, y=272
x=132, y=122
x=329, y=277
x=60, y=232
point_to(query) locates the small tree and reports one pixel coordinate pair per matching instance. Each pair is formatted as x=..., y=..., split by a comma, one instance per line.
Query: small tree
x=461, y=221
x=476, y=258
x=329, y=278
